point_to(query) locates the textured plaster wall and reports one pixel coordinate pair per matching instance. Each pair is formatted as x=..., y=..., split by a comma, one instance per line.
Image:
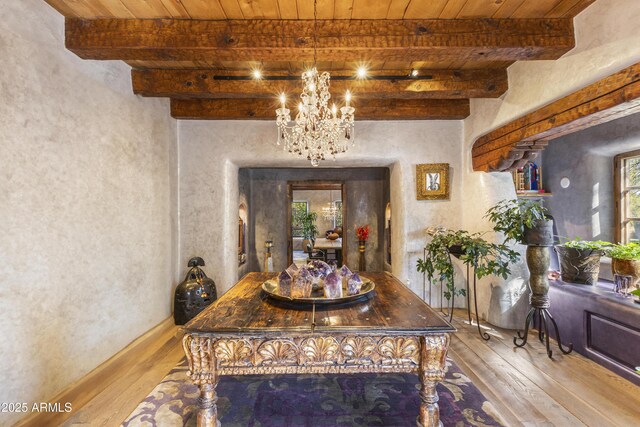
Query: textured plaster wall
x=212, y=152
x=367, y=196
x=88, y=196
x=586, y=208
x=607, y=40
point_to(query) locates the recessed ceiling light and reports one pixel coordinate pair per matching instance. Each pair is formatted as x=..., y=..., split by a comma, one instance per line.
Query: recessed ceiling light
x=257, y=74
x=414, y=72
x=361, y=72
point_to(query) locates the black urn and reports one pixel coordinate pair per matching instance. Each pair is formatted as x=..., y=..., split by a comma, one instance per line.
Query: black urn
x=194, y=294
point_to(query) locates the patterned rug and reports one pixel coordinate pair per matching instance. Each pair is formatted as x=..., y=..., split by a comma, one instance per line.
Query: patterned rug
x=314, y=400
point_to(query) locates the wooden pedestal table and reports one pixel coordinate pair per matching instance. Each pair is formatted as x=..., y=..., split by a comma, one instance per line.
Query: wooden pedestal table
x=246, y=333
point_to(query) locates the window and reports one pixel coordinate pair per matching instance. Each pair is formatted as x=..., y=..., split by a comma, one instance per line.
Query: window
x=627, y=167
x=298, y=208
x=337, y=221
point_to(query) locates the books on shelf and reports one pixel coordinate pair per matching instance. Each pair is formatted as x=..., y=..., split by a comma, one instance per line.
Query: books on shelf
x=528, y=179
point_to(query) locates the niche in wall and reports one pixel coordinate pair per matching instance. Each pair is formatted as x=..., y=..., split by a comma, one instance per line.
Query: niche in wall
x=387, y=233
x=243, y=219
x=585, y=208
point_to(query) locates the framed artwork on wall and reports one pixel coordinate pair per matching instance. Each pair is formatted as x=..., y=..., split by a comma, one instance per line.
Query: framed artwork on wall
x=432, y=181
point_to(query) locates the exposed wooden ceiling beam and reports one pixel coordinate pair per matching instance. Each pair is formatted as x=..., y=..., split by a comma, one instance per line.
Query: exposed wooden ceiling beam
x=611, y=98
x=207, y=84
x=338, y=40
x=373, y=109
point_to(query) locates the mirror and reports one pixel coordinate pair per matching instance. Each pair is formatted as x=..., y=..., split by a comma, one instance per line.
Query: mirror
x=317, y=211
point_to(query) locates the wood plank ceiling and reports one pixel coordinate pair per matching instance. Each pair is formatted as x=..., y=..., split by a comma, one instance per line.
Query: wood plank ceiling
x=201, y=53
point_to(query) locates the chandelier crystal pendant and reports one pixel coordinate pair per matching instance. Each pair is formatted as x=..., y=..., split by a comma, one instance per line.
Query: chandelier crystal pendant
x=317, y=131
x=330, y=212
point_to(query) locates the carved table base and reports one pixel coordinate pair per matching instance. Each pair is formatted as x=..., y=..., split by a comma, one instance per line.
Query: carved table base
x=210, y=356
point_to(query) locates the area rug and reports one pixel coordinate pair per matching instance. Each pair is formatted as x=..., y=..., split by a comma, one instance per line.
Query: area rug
x=314, y=400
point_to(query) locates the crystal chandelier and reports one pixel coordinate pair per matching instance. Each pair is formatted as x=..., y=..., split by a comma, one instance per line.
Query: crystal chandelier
x=317, y=131
x=330, y=212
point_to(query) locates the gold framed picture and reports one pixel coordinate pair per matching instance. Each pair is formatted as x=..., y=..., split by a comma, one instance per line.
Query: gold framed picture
x=432, y=181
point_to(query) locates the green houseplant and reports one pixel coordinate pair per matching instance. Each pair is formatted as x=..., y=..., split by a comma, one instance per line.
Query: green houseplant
x=486, y=258
x=307, y=221
x=580, y=260
x=522, y=221
x=625, y=259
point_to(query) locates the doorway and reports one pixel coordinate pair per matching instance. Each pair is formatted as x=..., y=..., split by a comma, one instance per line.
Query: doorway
x=315, y=218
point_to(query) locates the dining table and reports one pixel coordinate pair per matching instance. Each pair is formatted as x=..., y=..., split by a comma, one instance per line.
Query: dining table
x=324, y=243
x=332, y=248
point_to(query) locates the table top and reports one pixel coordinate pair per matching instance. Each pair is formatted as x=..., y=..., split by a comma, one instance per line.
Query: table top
x=246, y=310
x=324, y=243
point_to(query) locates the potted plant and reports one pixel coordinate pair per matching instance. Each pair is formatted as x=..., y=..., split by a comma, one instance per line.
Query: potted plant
x=309, y=230
x=580, y=260
x=522, y=221
x=486, y=258
x=528, y=222
x=626, y=260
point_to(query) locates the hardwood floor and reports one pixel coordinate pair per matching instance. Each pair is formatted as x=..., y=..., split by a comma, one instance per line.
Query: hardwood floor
x=528, y=388
x=524, y=385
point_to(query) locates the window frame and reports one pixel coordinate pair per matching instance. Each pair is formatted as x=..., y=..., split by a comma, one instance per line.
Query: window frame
x=620, y=192
x=338, y=205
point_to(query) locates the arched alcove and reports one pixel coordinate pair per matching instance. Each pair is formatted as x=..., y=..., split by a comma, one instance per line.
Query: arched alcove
x=243, y=220
x=387, y=233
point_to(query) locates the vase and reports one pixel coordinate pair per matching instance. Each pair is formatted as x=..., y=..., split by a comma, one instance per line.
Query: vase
x=456, y=251
x=579, y=265
x=194, y=294
x=362, y=263
x=308, y=244
x=627, y=267
x=540, y=235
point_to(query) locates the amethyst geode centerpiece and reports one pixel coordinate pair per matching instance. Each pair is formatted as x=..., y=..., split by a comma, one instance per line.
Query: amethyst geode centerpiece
x=318, y=271
x=344, y=273
x=284, y=284
x=292, y=270
x=354, y=284
x=318, y=278
x=302, y=284
x=333, y=286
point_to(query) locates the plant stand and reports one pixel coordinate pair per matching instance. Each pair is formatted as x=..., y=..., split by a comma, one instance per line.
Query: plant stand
x=431, y=286
x=538, y=263
x=485, y=336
